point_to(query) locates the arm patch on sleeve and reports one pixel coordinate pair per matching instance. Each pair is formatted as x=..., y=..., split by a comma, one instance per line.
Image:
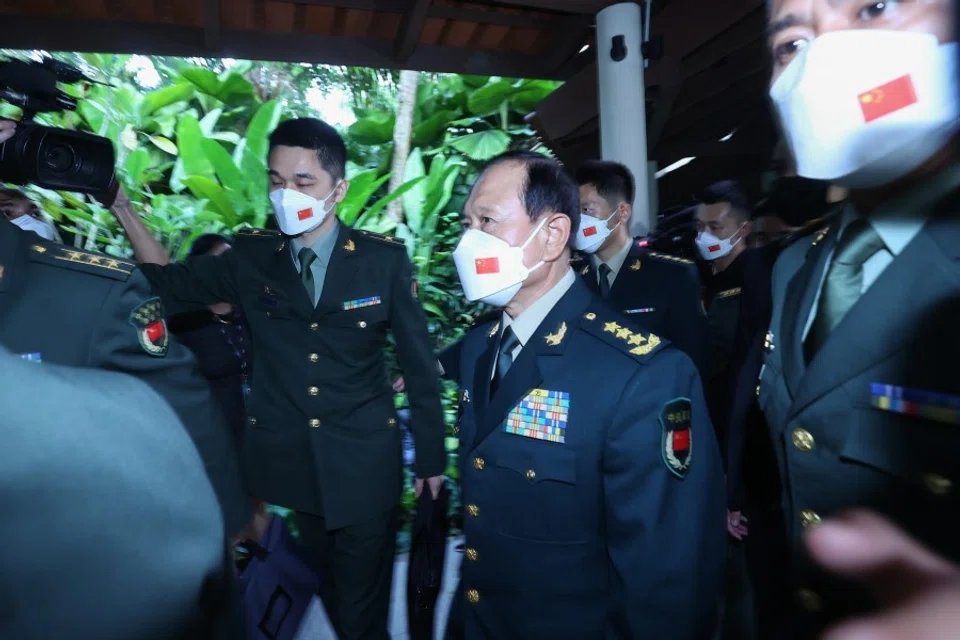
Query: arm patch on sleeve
x=148, y=321
x=676, y=439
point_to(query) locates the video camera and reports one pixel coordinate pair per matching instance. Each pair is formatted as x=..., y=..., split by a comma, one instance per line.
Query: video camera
x=47, y=156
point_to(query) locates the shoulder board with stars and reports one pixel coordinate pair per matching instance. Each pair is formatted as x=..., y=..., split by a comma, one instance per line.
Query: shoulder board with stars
x=379, y=237
x=249, y=232
x=615, y=331
x=69, y=258
x=667, y=257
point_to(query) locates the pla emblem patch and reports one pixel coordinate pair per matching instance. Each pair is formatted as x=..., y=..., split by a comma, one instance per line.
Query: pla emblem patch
x=151, y=327
x=676, y=441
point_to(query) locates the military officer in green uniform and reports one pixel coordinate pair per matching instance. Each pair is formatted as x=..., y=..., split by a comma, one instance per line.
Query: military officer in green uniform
x=71, y=307
x=591, y=478
x=322, y=434
x=859, y=384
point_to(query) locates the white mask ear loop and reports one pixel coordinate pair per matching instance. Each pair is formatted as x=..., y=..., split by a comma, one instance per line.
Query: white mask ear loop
x=528, y=240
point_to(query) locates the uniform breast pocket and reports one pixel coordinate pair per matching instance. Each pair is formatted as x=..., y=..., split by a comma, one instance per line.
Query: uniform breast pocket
x=268, y=307
x=537, y=482
x=368, y=318
x=916, y=453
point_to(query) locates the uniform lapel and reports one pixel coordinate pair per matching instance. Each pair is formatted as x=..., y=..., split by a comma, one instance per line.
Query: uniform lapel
x=483, y=367
x=876, y=327
x=588, y=274
x=628, y=285
x=548, y=341
x=801, y=292
x=340, y=272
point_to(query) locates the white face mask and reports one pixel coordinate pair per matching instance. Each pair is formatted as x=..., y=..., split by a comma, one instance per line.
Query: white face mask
x=711, y=247
x=39, y=227
x=297, y=213
x=491, y=270
x=866, y=107
x=593, y=232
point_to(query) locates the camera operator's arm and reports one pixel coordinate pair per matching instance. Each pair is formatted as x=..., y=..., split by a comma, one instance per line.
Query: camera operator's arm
x=146, y=248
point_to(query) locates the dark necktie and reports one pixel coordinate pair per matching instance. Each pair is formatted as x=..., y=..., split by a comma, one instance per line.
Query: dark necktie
x=604, y=274
x=844, y=282
x=307, y=257
x=508, y=342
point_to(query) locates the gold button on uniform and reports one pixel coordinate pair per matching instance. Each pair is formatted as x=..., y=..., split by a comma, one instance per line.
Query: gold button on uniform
x=314, y=422
x=758, y=391
x=362, y=324
x=471, y=554
x=809, y=518
x=531, y=474
x=392, y=422
x=314, y=357
x=937, y=484
x=803, y=440
x=473, y=596
x=809, y=600
x=314, y=326
x=252, y=420
x=313, y=391
x=473, y=510
x=479, y=464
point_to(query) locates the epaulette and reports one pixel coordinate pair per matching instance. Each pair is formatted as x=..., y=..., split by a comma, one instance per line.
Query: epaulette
x=667, y=257
x=616, y=331
x=821, y=224
x=249, y=232
x=79, y=260
x=379, y=237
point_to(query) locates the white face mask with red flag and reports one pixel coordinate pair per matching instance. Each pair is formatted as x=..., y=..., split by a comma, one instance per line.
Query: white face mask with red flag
x=297, y=213
x=865, y=107
x=490, y=269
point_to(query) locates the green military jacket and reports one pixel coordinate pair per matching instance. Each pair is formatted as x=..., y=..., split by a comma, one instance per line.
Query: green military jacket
x=322, y=432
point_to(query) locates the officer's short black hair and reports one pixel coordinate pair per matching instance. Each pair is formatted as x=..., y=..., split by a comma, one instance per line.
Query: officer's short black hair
x=547, y=187
x=612, y=180
x=315, y=134
x=204, y=244
x=731, y=192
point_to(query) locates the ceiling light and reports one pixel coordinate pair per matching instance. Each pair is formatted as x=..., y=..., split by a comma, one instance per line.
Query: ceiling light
x=682, y=162
x=728, y=136
x=584, y=48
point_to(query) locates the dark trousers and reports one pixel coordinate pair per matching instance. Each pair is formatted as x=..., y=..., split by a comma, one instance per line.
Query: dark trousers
x=355, y=564
x=768, y=564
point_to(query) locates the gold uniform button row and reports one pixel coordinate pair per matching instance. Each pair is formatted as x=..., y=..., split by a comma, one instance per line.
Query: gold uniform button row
x=314, y=357
x=252, y=420
x=313, y=391
x=314, y=422
x=314, y=326
x=531, y=474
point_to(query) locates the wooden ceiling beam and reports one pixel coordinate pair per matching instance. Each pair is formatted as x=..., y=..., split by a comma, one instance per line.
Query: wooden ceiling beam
x=212, y=25
x=498, y=18
x=392, y=6
x=24, y=32
x=411, y=26
x=588, y=7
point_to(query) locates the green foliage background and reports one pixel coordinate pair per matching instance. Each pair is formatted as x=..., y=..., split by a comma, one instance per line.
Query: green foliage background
x=191, y=153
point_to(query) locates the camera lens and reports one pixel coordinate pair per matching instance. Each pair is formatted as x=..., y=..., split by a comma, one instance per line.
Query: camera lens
x=59, y=158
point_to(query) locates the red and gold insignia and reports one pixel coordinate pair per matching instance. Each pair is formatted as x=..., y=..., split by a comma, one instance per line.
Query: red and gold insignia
x=887, y=98
x=148, y=320
x=677, y=437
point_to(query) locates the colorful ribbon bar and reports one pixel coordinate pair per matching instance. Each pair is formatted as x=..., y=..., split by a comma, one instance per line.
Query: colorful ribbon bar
x=541, y=415
x=940, y=407
x=360, y=303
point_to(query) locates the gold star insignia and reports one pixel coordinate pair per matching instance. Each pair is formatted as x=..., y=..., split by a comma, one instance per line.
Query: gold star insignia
x=623, y=333
x=611, y=327
x=350, y=246
x=635, y=266
x=554, y=339
x=636, y=339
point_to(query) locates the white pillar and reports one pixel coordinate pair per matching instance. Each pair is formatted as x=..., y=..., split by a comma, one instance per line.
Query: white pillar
x=623, y=126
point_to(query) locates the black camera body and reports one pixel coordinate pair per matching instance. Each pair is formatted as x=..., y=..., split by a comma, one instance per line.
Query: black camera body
x=47, y=156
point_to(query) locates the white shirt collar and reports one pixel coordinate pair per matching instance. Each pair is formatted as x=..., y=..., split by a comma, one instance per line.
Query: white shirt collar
x=527, y=322
x=615, y=262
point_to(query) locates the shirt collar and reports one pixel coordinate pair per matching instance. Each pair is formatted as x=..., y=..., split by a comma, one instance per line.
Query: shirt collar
x=527, y=322
x=898, y=221
x=616, y=262
x=323, y=247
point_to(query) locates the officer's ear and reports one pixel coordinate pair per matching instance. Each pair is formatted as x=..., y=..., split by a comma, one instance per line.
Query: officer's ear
x=340, y=192
x=557, y=232
x=625, y=212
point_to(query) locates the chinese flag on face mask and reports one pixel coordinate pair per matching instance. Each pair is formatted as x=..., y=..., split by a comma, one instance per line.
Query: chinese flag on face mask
x=713, y=247
x=305, y=214
x=590, y=231
x=887, y=98
x=487, y=265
